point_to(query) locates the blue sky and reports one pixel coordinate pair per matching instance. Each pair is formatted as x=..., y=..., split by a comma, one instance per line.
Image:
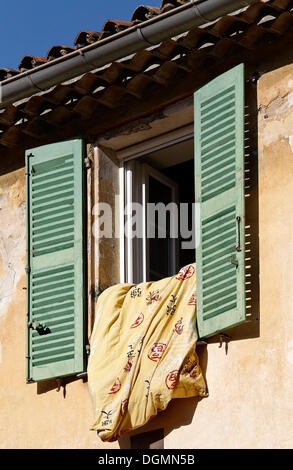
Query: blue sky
x=33, y=26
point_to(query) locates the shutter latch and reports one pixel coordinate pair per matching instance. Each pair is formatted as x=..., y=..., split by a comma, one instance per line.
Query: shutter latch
x=234, y=260
x=87, y=163
x=238, y=219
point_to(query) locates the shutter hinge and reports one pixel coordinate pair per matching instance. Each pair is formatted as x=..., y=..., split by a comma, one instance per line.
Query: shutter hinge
x=238, y=219
x=254, y=77
x=88, y=163
x=88, y=349
x=32, y=171
x=82, y=376
x=27, y=269
x=234, y=260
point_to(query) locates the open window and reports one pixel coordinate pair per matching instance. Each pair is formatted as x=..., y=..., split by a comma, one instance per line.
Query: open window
x=159, y=205
x=212, y=177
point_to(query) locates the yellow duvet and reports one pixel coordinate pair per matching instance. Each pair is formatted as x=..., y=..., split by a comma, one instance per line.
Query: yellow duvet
x=143, y=352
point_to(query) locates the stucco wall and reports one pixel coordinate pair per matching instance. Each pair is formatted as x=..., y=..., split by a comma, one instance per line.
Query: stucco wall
x=35, y=415
x=250, y=384
x=250, y=387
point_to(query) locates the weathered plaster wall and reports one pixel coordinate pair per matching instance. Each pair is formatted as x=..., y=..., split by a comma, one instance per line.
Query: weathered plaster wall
x=250, y=388
x=107, y=182
x=12, y=237
x=31, y=416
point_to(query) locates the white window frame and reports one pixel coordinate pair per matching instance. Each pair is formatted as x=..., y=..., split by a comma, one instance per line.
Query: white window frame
x=132, y=176
x=134, y=181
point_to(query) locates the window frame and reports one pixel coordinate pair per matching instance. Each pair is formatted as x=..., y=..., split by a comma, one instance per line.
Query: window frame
x=136, y=176
x=130, y=178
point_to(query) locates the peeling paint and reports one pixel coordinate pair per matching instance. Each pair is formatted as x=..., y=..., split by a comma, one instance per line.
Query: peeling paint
x=291, y=142
x=12, y=240
x=259, y=395
x=276, y=120
x=290, y=98
x=277, y=106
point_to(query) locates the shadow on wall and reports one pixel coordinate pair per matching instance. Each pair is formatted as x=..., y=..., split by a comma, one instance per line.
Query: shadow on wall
x=58, y=384
x=180, y=412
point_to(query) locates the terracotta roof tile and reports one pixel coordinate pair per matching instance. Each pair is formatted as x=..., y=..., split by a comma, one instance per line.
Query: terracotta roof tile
x=59, y=51
x=29, y=62
x=111, y=27
x=7, y=73
x=143, y=13
x=121, y=85
x=84, y=38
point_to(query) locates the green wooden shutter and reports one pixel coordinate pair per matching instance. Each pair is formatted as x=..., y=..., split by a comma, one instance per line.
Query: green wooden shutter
x=219, y=190
x=55, y=260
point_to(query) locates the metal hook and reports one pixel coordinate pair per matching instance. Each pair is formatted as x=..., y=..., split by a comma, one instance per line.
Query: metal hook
x=224, y=339
x=59, y=385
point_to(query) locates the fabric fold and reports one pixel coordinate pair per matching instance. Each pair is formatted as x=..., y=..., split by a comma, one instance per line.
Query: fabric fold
x=143, y=352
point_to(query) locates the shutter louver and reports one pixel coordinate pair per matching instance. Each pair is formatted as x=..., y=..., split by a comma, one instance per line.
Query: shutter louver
x=219, y=189
x=55, y=257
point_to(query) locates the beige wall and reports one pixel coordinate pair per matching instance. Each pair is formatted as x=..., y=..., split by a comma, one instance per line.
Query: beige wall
x=35, y=415
x=250, y=403
x=250, y=384
x=250, y=388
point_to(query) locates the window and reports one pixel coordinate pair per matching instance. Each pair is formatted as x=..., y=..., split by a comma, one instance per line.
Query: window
x=148, y=258
x=159, y=195
x=56, y=282
x=55, y=260
x=219, y=206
